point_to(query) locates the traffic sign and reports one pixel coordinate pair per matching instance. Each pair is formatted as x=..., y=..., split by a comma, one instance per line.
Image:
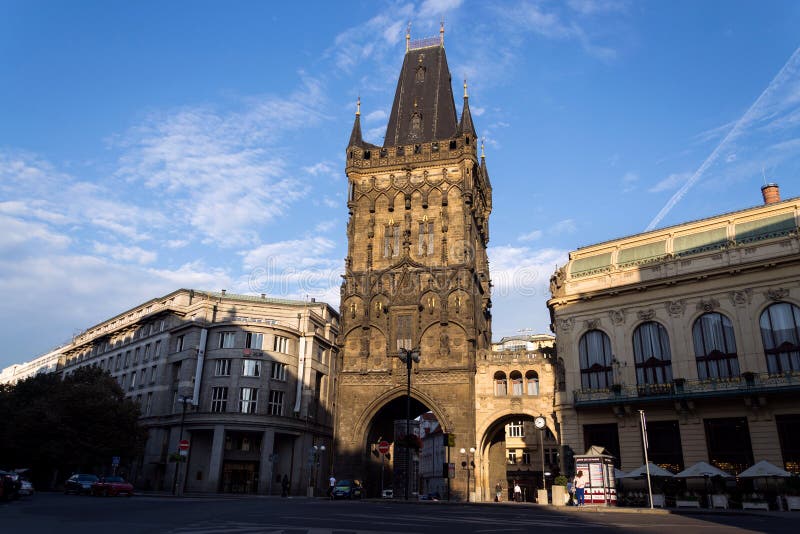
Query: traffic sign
x=115, y=460
x=383, y=447
x=183, y=445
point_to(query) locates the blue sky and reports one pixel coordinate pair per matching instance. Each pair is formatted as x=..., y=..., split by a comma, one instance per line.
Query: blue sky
x=147, y=146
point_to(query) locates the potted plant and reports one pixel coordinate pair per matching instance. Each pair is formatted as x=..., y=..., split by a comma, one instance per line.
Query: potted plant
x=559, y=489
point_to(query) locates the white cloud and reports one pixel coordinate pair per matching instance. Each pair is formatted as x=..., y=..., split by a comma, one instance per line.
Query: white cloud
x=531, y=236
x=430, y=8
x=126, y=254
x=565, y=226
x=629, y=180
x=321, y=168
x=522, y=271
x=377, y=115
x=26, y=234
x=325, y=226
x=591, y=7
x=673, y=181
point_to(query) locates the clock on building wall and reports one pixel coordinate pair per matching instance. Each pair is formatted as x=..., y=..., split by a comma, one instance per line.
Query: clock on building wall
x=540, y=422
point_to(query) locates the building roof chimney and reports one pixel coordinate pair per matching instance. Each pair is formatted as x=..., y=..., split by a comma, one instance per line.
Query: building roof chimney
x=771, y=193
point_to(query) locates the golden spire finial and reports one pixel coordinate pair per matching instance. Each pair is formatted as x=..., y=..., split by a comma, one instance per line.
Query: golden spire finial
x=408, y=36
x=441, y=31
x=465, y=88
x=483, y=140
x=358, y=106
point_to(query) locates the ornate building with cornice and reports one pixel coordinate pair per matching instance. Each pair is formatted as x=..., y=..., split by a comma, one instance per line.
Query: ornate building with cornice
x=416, y=273
x=698, y=325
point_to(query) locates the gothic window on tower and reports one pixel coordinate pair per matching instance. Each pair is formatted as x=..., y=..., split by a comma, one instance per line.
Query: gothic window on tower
x=391, y=241
x=404, y=332
x=416, y=126
x=426, y=238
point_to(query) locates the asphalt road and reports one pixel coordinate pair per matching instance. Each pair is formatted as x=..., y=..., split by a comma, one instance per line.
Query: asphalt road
x=64, y=514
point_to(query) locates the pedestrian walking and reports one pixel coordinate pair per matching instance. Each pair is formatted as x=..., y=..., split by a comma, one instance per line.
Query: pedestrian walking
x=580, y=485
x=498, y=491
x=517, y=492
x=331, y=484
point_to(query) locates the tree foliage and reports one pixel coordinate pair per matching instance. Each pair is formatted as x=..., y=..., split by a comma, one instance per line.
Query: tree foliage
x=55, y=427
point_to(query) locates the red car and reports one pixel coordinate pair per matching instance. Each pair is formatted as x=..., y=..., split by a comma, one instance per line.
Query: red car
x=112, y=486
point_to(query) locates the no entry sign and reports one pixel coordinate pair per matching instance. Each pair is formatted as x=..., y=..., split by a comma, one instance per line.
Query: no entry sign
x=383, y=447
x=183, y=445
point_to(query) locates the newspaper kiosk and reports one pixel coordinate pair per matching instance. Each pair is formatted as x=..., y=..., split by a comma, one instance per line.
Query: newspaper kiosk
x=598, y=466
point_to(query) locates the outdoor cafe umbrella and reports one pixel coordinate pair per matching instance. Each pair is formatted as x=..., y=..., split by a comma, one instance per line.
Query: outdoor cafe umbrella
x=655, y=471
x=705, y=471
x=618, y=473
x=764, y=469
x=702, y=470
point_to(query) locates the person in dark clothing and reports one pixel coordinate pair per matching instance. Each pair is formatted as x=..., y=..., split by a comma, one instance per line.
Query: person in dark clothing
x=285, y=486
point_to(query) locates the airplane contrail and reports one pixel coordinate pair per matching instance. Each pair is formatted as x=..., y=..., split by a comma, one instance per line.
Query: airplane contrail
x=744, y=121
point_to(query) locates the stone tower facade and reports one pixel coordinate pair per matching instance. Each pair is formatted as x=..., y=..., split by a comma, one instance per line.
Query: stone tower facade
x=417, y=272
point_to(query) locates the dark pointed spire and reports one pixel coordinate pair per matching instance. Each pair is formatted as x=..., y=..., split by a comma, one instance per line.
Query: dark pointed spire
x=423, y=109
x=355, y=135
x=466, y=126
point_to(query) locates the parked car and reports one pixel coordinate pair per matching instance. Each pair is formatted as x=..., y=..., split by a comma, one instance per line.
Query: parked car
x=112, y=486
x=387, y=494
x=26, y=488
x=347, y=489
x=9, y=485
x=80, y=483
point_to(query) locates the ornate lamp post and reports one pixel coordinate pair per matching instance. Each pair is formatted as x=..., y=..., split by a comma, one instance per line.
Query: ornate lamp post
x=468, y=463
x=408, y=356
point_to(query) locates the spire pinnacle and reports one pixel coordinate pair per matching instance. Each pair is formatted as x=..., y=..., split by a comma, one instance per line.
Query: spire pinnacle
x=483, y=141
x=465, y=89
x=441, y=31
x=408, y=36
x=358, y=106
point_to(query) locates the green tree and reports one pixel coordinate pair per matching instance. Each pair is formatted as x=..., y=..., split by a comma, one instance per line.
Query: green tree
x=56, y=426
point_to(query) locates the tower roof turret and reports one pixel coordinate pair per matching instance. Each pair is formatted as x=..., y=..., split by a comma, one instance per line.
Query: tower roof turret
x=423, y=109
x=466, y=126
x=355, y=135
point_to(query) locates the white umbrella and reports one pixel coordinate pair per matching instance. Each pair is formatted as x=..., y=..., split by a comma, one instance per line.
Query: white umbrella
x=764, y=469
x=655, y=471
x=702, y=469
x=618, y=473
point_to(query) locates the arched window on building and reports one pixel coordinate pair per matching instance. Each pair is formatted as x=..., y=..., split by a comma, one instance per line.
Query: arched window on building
x=500, y=384
x=516, y=383
x=780, y=333
x=532, y=382
x=595, y=359
x=715, y=347
x=651, y=354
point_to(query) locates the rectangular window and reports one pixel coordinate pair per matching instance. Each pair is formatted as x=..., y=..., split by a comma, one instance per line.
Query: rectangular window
x=728, y=441
x=512, y=457
x=275, y=406
x=789, y=437
x=149, y=406
x=664, y=444
x=146, y=356
x=133, y=380
x=161, y=325
x=526, y=457
x=391, y=241
x=122, y=379
x=222, y=367
x=255, y=341
x=278, y=371
x=153, y=371
x=251, y=368
x=157, y=351
x=226, y=340
x=248, y=398
x=551, y=456
x=136, y=355
x=425, y=239
x=127, y=358
x=604, y=435
x=179, y=343
x=219, y=399
x=281, y=344
x=514, y=430
x=404, y=332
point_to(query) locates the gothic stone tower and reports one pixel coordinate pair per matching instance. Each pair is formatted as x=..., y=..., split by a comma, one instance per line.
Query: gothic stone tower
x=417, y=273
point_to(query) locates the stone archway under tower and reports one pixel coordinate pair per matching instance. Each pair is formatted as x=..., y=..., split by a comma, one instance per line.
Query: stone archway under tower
x=383, y=420
x=511, y=449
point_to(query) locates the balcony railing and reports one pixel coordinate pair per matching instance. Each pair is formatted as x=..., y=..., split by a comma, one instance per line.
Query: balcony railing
x=694, y=388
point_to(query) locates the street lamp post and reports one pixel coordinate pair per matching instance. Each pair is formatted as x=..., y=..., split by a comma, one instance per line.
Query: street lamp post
x=183, y=400
x=468, y=463
x=408, y=356
x=315, y=453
